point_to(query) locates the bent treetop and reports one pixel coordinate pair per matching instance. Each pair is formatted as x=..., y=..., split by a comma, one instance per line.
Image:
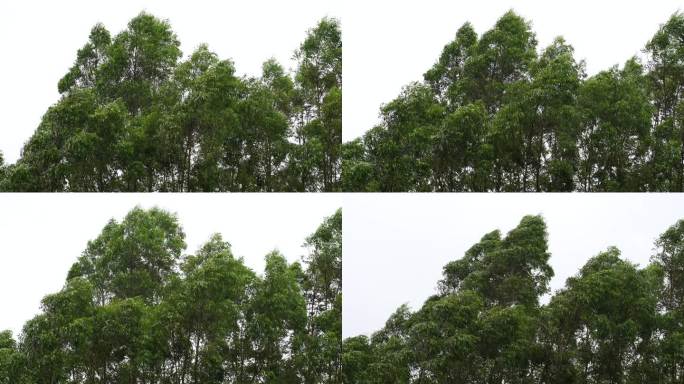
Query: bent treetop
x=613, y=322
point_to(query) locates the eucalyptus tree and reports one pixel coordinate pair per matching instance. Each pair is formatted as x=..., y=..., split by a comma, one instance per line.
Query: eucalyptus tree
x=133, y=115
x=613, y=322
x=11, y=360
x=670, y=259
x=615, y=138
x=480, y=327
x=666, y=64
x=609, y=312
x=319, y=344
x=496, y=114
x=3, y=172
x=317, y=108
x=135, y=309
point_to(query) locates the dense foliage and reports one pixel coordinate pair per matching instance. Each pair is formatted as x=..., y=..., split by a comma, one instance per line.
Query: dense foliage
x=134, y=117
x=612, y=323
x=135, y=310
x=494, y=114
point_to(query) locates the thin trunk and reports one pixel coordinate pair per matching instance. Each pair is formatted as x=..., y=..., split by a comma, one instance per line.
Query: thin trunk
x=540, y=158
x=195, y=363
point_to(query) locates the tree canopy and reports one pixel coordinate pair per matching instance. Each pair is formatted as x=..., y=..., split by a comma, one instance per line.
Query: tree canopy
x=134, y=116
x=495, y=113
x=136, y=309
x=613, y=322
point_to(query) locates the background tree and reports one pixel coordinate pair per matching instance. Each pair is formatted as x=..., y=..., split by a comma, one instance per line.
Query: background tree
x=11, y=360
x=3, y=172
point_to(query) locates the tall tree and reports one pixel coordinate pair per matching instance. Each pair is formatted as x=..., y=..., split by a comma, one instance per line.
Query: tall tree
x=494, y=114
x=613, y=322
x=615, y=138
x=318, y=107
x=321, y=340
x=670, y=258
x=134, y=310
x=134, y=116
x=133, y=258
x=666, y=64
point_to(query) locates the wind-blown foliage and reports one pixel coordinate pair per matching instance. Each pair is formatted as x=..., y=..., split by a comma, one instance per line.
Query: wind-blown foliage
x=134, y=309
x=612, y=323
x=133, y=116
x=494, y=114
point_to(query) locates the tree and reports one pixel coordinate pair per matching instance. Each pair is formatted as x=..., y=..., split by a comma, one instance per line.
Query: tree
x=447, y=77
x=670, y=259
x=509, y=271
x=3, y=172
x=11, y=360
x=666, y=65
x=494, y=114
x=133, y=258
x=555, y=85
x=613, y=322
x=357, y=172
x=411, y=121
x=278, y=312
x=135, y=116
x=357, y=355
x=459, y=156
x=615, y=139
x=135, y=309
x=320, y=342
x=610, y=310
x=317, y=108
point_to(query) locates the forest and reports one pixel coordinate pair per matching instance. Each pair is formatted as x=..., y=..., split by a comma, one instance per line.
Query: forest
x=495, y=114
x=133, y=116
x=613, y=322
x=136, y=309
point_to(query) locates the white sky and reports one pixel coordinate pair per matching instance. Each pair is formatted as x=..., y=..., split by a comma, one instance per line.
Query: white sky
x=389, y=43
x=43, y=234
x=39, y=40
x=395, y=245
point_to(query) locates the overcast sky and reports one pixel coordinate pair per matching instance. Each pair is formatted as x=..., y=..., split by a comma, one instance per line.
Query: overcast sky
x=42, y=235
x=390, y=43
x=395, y=245
x=39, y=40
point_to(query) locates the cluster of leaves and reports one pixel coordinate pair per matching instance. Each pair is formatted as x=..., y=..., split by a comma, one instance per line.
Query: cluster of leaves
x=494, y=115
x=134, y=117
x=612, y=323
x=134, y=310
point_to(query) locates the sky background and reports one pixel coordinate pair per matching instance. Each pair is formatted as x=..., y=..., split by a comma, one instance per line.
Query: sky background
x=390, y=43
x=43, y=234
x=39, y=40
x=395, y=245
